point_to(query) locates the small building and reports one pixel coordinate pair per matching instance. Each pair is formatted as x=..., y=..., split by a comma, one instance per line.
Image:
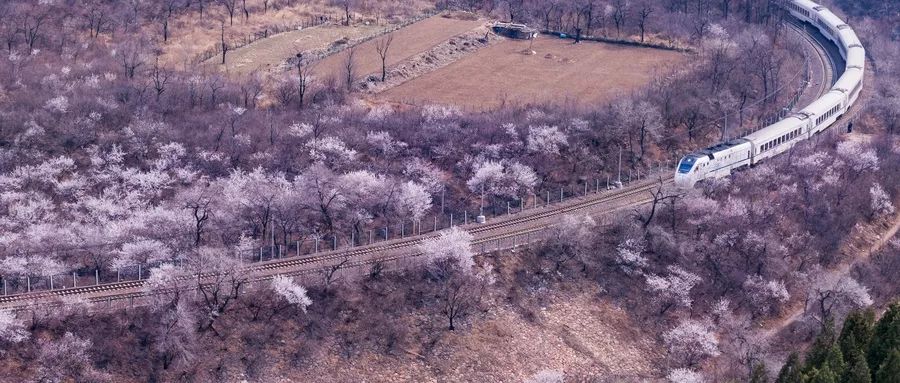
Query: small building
x=515, y=31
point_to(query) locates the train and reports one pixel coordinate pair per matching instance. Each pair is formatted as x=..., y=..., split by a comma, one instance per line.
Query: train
x=721, y=160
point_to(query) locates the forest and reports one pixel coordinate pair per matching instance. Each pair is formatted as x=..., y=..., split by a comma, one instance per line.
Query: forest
x=117, y=159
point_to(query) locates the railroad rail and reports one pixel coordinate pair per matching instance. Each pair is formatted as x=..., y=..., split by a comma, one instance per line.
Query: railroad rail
x=513, y=226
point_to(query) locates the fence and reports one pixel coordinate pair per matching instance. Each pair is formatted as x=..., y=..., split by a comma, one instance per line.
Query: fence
x=321, y=54
x=609, y=40
x=316, y=244
x=313, y=21
x=268, y=31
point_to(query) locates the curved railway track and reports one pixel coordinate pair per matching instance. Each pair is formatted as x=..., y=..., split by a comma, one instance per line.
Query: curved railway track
x=512, y=226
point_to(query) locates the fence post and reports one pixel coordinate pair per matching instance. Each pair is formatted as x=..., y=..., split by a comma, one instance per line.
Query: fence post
x=560, y=194
x=140, y=275
x=74, y=280
x=298, y=248
x=317, y=244
x=28, y=282
x=451, y=220
x=51, y=282
x=97, y=275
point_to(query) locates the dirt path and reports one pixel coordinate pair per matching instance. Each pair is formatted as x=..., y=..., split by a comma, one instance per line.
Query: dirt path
x=843, y=269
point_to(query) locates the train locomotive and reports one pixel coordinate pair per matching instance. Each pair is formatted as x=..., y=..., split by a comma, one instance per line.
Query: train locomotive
x=720, y=160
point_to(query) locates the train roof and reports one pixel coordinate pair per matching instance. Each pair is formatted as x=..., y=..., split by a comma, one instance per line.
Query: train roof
x=830, y=19
x=824, y=103
x=848, y=80
x=809, y=5
x=777, y=129
x=722, y=147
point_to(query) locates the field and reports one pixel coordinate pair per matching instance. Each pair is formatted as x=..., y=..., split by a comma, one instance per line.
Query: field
x=560, y=71
x=267, y=53
x=408, y=41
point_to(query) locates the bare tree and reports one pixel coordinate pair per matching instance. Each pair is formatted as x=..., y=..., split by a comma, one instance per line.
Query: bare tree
x=620, y=15
x=131, y=57
x=346, y=4
x=329, y=275
x=160, y=78
x=251, y=89
x=224, y=45
x=459, y=295
x=201, y=5
x=32, y=21
x=349, y=67
x=96, y=19
x=644, y=14
x=218, y=280
x=197, y=202
x=726, y=8
x=304, y=74
x=382, y=46
x=168, y=8
x=833, y=295
x=659, y=196
x=230, y=6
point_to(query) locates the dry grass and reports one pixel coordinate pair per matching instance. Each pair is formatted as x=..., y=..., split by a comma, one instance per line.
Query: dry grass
x=267, y=54
x=578, y=335
x=191, y=35
x=409, y=41
x=559, y=71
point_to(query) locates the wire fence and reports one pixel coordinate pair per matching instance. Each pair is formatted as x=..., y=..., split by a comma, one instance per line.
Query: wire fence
x=266, y=32
x=312, y=245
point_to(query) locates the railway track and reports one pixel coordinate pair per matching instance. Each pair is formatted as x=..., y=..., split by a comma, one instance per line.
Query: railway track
x=518, y=224
x=826, y=74
x=511, y=226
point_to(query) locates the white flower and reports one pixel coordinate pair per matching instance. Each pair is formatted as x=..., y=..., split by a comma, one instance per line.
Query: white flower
x=300, y=129
x=57, y=104
x=683, y=375
x=291, y=292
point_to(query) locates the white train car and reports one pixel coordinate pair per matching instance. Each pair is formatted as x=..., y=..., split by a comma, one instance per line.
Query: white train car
x=825, y=110
x=716, y=162
x=779, y=137
x=720, y=160
x=803, y=10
